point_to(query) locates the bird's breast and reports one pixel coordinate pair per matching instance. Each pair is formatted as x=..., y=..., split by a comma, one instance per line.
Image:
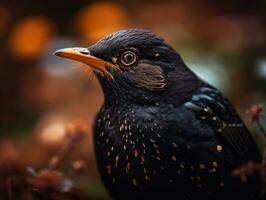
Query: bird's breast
x=138, y=151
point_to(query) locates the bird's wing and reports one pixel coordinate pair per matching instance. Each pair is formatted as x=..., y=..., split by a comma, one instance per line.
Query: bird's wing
x=213, y=109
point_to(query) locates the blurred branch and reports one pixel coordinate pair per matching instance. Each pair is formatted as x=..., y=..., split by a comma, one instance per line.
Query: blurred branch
x=52, y=183
x=75, y=132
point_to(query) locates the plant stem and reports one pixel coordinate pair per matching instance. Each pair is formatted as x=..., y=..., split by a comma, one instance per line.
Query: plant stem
x=261, y=128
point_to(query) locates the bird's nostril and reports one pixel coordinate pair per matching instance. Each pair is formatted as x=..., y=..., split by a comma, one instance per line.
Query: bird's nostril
x=84, y=53
x=82, y=50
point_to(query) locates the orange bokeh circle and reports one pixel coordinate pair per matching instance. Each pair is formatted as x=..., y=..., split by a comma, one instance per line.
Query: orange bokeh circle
x=29, y=36
x=97, y=20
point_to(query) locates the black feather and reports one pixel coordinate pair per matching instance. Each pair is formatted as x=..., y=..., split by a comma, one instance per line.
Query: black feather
x=180, y=142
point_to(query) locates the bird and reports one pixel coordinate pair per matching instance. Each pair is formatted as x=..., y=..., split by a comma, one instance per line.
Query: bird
x=163, y=132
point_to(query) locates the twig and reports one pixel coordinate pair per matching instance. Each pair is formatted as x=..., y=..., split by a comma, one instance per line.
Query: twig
x=57, y=160
x=261, y=127
x=74, y=133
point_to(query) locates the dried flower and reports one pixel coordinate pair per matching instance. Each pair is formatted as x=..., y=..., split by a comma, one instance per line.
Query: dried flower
x=76, y=130
x=47, y=180
x=255, y=111
x=78, y=165
x=246, y=170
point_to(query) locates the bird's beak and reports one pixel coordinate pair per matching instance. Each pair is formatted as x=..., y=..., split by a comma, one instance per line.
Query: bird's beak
x=83, y=55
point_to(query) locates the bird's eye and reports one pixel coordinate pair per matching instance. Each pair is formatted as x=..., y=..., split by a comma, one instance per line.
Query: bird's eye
x=128, y=58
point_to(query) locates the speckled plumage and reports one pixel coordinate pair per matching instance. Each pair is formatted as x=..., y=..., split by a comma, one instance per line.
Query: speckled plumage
x=181, y=142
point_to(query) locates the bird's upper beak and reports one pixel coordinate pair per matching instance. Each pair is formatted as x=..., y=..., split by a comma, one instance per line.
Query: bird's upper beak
x=83, y=55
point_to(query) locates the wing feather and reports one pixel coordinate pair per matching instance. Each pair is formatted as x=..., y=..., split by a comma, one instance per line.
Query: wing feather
x=212, y=108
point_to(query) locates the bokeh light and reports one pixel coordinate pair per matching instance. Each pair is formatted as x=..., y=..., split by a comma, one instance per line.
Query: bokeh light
x=96, y=20
x=29, y=36
x=51, y=129
x=207, y=67
x=261, y=69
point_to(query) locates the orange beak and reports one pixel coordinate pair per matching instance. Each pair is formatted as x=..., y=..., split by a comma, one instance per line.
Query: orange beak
x=83, y=55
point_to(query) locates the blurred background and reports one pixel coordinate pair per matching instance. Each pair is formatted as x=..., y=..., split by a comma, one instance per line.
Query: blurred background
x=223, y=42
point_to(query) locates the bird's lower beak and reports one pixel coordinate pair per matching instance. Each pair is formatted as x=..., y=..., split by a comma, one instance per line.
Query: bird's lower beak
x=83, y=55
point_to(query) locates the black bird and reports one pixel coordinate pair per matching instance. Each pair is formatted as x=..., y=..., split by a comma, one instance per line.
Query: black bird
x=163, y=133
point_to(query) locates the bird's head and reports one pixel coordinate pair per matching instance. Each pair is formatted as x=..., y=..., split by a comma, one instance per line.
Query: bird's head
x=135, y=66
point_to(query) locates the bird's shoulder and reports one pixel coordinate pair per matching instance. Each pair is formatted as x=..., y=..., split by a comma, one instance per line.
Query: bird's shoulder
x=214, y=111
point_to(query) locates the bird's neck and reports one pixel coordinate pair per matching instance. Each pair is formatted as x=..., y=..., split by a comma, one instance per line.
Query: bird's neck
x=179, y=89
x=119, y=95
x=181, y=86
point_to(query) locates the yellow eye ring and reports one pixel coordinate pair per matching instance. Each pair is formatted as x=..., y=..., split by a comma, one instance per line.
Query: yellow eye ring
x=128, y=58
